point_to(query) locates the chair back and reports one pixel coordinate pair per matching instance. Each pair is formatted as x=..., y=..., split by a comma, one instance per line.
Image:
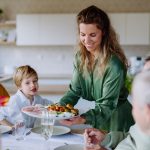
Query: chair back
x=4, y=96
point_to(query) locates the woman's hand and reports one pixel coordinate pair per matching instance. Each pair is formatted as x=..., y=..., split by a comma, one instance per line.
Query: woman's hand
x=73, y=121
x=93, y=137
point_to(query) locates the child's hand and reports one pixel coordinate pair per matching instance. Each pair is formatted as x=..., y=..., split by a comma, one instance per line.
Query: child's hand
x=35, y=108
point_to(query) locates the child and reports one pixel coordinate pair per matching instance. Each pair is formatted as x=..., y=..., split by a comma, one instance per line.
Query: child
x=26, y=80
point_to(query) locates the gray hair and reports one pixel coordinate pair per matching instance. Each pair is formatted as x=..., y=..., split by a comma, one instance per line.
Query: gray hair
x=141, y=88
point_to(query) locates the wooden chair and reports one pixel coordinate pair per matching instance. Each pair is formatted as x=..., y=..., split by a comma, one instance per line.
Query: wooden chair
x=4, y=96
x=3, y=91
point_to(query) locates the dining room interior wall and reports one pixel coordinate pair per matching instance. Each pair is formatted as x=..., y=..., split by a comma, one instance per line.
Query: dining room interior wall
x=46, y=60
x=51, y=59
x=59, y=59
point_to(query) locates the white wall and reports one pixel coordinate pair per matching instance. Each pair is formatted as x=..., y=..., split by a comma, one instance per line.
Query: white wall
x=46, y=60
x=139, y=50
x=51, y=60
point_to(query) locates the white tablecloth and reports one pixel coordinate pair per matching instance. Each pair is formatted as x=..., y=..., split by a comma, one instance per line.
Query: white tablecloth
x=35, y=142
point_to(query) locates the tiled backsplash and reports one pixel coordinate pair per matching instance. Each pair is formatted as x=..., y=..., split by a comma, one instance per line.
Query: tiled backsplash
x=46, y=60
x=50, y=59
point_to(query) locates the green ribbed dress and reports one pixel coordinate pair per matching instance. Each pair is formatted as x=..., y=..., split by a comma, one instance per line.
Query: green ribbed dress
x=112, y=110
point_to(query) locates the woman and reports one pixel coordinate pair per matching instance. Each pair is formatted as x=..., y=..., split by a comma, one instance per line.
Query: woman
x=99, y=74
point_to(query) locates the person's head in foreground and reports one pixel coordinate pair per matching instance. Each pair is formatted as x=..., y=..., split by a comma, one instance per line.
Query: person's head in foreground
x=26, y=80
x=141, y=101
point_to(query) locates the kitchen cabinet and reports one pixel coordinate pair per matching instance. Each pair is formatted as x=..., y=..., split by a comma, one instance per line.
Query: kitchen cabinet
x=132, y=28
x=119, y=24
x=137, y=29
x=7, y=33
x=46, y=29
x=58, y=29
x=28, y=29
x=61, y=29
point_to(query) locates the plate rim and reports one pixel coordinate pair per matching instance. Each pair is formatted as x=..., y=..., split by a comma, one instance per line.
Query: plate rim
x=7, y=129
x=67, y=128
x=40, y=115
x=66, y=146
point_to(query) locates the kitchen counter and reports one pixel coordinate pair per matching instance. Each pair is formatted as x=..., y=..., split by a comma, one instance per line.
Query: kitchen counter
x=55, y=76
x=5, y=77
x=53, y=86
x=47, y=86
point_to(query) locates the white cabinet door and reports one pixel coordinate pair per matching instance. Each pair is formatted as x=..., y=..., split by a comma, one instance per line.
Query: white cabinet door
x=46, y=29
x=137, y=29
x=133, y=28
x=58, y=29
x=28, y=29
x=61, y=29
x=118, y=22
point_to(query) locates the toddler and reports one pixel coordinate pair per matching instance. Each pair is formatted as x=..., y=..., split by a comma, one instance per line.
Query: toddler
x=26, y=80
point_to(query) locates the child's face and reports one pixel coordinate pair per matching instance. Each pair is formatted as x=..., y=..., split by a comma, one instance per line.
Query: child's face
x=29, y=86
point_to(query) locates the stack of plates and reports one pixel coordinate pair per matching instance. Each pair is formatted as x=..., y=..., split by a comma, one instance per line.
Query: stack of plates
x=71, y=147
x=58, y=130
x=4, y=129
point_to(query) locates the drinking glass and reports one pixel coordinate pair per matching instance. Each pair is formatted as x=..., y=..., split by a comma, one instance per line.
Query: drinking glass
x=20, y=129
x=47, y=123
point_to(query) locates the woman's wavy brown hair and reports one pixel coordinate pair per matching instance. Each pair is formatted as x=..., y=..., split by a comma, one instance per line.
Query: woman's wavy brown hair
x=109, y=44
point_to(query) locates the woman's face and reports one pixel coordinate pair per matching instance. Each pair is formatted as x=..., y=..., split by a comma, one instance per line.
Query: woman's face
x=90, y=37
x=29, y=86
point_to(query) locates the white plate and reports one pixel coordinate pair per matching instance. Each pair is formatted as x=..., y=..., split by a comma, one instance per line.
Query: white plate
x=39, y=114
x=71, y=147
x=4, y=129
x=58, y=130
x=79, y=129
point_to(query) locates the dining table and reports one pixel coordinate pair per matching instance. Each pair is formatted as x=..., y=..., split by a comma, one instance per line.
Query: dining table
x=66, y=138
x=34, y=141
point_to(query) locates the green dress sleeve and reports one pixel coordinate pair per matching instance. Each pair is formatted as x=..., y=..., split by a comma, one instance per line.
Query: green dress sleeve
x=75, y=91
x=112, y=139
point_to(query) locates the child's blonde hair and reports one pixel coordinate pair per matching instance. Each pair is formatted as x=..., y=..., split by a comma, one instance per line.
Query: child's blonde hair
x=23, y=72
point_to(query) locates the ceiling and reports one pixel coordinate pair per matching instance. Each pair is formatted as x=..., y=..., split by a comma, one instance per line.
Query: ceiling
x=13, y=7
